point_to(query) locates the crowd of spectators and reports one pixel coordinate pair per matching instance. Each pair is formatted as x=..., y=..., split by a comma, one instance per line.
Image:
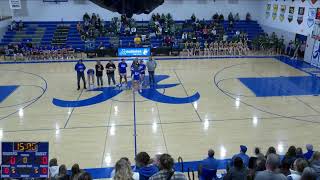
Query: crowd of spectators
x=16, y=26
x=92, y=26
x=294, y=165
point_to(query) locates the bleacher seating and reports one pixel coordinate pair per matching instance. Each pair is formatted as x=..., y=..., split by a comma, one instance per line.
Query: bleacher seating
x=42, y=33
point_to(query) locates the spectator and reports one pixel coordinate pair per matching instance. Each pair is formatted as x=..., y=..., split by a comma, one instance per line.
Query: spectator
x=53, y=168
x=63, y=173
x=85, y=176
x=285, y=167
x=156, y=160
x=166, y=170
x=238, y=171
x=248, y=17
x=271, y=150
x=309, y=174
x=133, y=30
x=291, y=155
x=184, y=36
x=298, y=167
x=137, y=41
x=258, y=153
x=230, y=17
x=79, y=27
x=13, y=25
x=86, y=17
x=221, y=18
x=101, y=46
x=210, y=162
x=271, y=172
x=144, y=166
x=20, y=25
x=309, y=152
x=315, y=162
x=237, y=17
x=299, y=153
x=193, y=18
x=242, y=155
x=75, y=172
x=123, y=171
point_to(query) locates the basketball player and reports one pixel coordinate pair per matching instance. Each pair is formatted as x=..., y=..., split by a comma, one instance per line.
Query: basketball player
x=122, y=66
x=206, y=50
x=142, y=69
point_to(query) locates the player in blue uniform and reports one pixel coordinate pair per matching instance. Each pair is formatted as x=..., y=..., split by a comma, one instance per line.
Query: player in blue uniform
x=142, y=69
x=136, y=78
x=122, y=66
x=90, y=75
x=80, y=68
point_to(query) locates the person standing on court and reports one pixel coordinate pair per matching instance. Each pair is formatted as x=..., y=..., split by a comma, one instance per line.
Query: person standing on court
x=99, y=73
x=123, y=71
x=80, y=68
x=151, y=66
x=111, y=67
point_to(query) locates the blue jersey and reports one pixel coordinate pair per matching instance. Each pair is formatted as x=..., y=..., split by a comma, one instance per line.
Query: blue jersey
x=142, y=68
x=80, y=67
x=136, y=75
x=122, y=67
x=90, y=72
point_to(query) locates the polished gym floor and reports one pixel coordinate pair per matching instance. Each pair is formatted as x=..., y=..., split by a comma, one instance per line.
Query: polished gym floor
x=203, y=103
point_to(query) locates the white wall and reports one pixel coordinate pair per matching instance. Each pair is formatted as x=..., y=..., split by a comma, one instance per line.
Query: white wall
x=36, y=10
x=5, y=8
x=4, y=26
x=285, y=25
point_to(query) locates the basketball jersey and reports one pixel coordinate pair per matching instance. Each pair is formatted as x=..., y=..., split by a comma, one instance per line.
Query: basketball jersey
x=122, y=67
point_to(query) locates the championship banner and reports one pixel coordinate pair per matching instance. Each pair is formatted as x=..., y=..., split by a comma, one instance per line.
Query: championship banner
x=282, y=12
x=311, y=17
x=291, y=12
x=300, y=15
x=268, y=11
x=315, y=58
x=15, y=4
x=275, y=11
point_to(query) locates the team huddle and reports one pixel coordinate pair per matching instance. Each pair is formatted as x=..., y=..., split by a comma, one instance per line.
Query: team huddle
x=216, y=48
x=138, y=72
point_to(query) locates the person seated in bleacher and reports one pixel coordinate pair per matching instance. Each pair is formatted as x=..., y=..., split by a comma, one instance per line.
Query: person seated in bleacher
x=237, y=17
x=63, y=173
x=230, y=17
x=221, y=18
x=144, y=166
x=166, y=170
x=122, y=170
x=242, y=155
x=209, y=163
x=14, y=26
x=137, y=41
x=186, y=47
x=133, y=30
x=248, y=17
x=20, y=25
x=206, y=50
x=237, y=171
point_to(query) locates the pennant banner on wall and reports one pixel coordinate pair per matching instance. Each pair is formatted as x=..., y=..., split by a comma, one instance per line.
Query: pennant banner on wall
x=275, y=11
x=300, y=15
x=15, y=4
x=268, y=11
x=282, y=11
x=311, y=17
x=291, y=12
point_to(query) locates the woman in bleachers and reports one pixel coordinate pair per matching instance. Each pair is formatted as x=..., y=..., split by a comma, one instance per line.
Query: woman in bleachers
x=123, y=171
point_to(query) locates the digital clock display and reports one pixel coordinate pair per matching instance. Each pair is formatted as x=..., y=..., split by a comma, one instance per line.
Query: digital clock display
x=24, y=159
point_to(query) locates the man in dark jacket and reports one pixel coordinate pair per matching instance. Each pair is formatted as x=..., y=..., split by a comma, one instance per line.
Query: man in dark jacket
x=80, y=68
x=99, y=73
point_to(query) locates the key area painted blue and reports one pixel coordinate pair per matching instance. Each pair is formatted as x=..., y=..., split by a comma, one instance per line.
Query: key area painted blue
x=5, y=91
x=283, y=86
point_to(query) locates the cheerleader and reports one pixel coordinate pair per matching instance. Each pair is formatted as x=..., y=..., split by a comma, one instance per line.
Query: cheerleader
x=196, y=51
x=216, y=48
x=211, y=49
x=206, y=50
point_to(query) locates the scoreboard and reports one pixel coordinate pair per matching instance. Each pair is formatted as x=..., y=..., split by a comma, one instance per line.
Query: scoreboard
x=24, y=159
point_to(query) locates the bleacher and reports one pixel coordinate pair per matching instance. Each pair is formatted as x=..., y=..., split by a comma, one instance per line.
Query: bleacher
x=45, y=34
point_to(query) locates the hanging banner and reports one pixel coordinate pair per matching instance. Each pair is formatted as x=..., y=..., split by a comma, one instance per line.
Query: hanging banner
x=268, y=11
x=300, y=15
x=275, y=11
x=15, y=4
x=282, y=11
x=311, y=17
x=291, y=12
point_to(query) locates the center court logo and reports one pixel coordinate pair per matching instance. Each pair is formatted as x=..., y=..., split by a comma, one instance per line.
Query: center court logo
x=150, y=93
